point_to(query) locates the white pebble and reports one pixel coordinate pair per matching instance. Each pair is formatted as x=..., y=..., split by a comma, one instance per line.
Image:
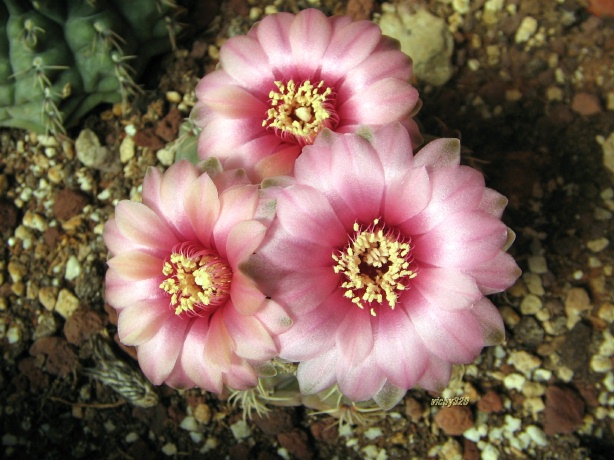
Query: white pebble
x=512, y=424
x=472, y=434
x=514, y=381
x=373, y=432
x=490, y=452
x=132, y=437
x=598, y=245
x=240, y=430
x=527, y=28
x=537, y=435
x=189, y=423
x=169, y=449
x=73, y=268
x=13, y=334
x=600, y=363
x=530, y=305
x=538, y=265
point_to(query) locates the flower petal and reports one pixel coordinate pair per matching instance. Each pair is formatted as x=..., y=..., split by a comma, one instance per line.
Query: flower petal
x=237, y=204
x=140, y=321
x=243, y=239
x=136, y=265
x=463, y=240
x=242, y=57
x=436, y=376
x=496, y=274
x=177, y=179
x=274, y=318
x=448, y=289
x=202, y=207
x=141, y=225
x=246, y=297
x=193, y=359
x=359, y=382
x=400, y=353
x=317, y=374
x=157, y=356
x=121, y=292
x=251, y=340
x=273, y=34
x=218, y=343
x=309, y=37
x=234, y=102
x=354, y=337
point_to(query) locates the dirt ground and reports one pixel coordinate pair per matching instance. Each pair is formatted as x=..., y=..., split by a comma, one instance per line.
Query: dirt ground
x=530, y=92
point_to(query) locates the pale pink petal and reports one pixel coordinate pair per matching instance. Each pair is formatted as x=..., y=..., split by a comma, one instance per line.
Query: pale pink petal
x=251, y=340
x=158, y=355
x=436, y=376
x=151, y=190
x=305, y=212
x=242, y=58
x=223, y=101
x=140, y=321
x=493, y=202
x=141, y=225
x=304, y=290
x=349, y=46
x=177, y=179
x=240, y=376
x=236, y=205
x=408, y=197
x=382, y=102
x=463, y=240
x=360, y=382
x=496, y=274
x=317, y=374
x=115, y=241
x=246, y=297
x=399, y=351
x=314, y=333
x=353, y=183
x=389, y=396
x=229, y=178
x=193, y=358
x=310, y=34
x=454, y=336
x=218, y=343
x=393, y=145
x=178, y=379
x=210, y=83
x=121, y=292
x=354, y=337
x=274, y=318
x=136, y=265
x=243, y=239
x=439, y=153
x=202, y=207
x=387, y=63
x=279, y=163
x=273, y=33
x=453, y=190
x=491, y=323
x=445, y=288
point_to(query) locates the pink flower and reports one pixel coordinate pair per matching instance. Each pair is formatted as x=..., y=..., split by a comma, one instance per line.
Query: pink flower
x=292, y=76
x=173, y=276
x=383, y=260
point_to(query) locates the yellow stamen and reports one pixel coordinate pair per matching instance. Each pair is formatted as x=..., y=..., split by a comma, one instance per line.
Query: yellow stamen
x=376, y=265
x=197, y=282
x=300, y=111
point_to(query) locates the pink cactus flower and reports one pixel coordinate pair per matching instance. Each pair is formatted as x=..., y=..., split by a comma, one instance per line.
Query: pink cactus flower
x=383, y=260
x=174, y=279
x=291, y=77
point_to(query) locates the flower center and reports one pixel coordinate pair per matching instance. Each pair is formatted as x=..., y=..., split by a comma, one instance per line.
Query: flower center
x=376, y=264
x=196, y=279
x=299, y=113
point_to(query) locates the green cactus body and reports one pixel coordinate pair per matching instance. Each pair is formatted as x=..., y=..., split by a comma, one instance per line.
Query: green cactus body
x=58, y=60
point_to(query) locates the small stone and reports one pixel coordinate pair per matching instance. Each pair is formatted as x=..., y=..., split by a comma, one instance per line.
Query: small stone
x=73, y=268
x=89, y=151
x=514, y=381
x=165, y=156
x=534, y=283
x=174, y=97
x=451, y=450
x=34, y=221
x=490, y=402
x=131, y=437
x=537, y=435
x=598, y=245
x=538, y=265
x=577, y=301
x=608, y=154
x=585, y=104
x=509, y=315
x=533, y=389
x=16, y=271
x=66, y=304
x=600, y=363
x=126, y=149
x=533, y=405
x=240, y=430
x=454, y=420
x=47, y=296
x=530, y=305
x=529, y=332
x=202, y=413
x=528, y=27
x=413, y=409
x=542, y=375
x=169, y=449
x=606, y=312
x=189, y=423
x=524, y=362
x=564, y=410
x=13, y=334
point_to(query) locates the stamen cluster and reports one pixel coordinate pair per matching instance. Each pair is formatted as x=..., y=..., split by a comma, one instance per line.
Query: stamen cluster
x=376, y=265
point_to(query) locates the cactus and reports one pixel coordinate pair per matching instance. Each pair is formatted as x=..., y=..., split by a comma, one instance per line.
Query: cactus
x=58, y=60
